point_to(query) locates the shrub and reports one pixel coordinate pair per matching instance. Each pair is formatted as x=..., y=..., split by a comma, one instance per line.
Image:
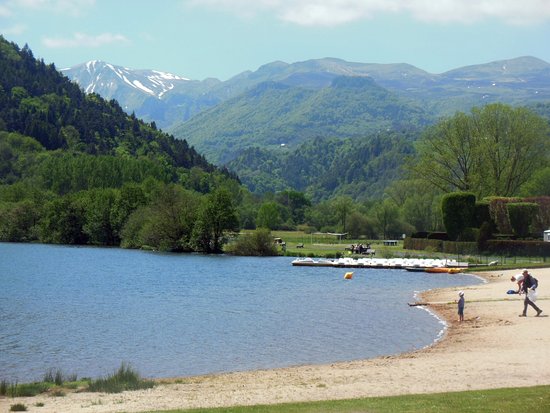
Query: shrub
x=257, y=243
x=18, y=407
x=438, y=235
x=458, y=210
x=484, y=235
x=519, y=248
x=469, y=235
x=482, y=214
x=521, y=215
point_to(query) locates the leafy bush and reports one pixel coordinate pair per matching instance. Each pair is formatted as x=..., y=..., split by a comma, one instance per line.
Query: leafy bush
x=483, y=214
x=469, y=235
x=521, y=216
x=257, y=243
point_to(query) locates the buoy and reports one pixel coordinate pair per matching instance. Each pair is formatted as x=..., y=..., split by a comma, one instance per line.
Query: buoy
x=348, y=276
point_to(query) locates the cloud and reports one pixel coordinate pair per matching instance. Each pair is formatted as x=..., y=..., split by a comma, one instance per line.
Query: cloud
x=14, y=30
x=336, y=12
x=5, y=11
x=70, y=7
x=84, y=40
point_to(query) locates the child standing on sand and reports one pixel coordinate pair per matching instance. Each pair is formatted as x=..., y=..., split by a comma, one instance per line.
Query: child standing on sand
x=461, y=306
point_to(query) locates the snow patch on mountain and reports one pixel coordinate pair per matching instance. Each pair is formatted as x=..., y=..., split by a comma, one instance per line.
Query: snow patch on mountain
x=104, y=78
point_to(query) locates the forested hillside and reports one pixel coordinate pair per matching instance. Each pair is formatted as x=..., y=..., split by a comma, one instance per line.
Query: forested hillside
x=75, y=169
x=37, y=101
x=325, y=168
x=274, y=114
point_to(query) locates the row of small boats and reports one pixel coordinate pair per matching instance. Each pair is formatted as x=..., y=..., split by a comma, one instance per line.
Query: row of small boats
x=409, y=264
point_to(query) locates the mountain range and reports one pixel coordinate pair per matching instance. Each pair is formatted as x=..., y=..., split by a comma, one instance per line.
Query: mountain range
x=282, y=112
x=169, y=99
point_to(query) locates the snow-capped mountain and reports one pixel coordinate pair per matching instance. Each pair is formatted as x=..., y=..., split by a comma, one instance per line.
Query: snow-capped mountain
x=107, y=79
x=152, y=95
x=170, y=100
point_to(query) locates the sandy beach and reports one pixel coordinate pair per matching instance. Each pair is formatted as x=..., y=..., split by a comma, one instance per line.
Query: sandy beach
x=492, y=348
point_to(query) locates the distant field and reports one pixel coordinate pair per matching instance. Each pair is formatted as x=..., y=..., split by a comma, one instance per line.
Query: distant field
x=330, y=246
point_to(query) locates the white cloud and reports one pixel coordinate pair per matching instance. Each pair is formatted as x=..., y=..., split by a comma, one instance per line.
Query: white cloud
x=14, y=30
x=335, y=12
x=70, y=7
x=84, y=40
x=5, y=11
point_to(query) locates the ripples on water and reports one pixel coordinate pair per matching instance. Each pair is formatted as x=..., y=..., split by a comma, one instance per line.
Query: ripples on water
x=86, y=310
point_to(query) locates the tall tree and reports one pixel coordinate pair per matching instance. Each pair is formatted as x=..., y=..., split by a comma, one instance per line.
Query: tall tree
x=216, y=216
x=513, y=143
x=493, y=151
x=343, y=205
x=448, y=155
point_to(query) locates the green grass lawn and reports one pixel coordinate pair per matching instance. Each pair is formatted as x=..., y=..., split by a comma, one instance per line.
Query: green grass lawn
x=329, y=246
x=528, y=399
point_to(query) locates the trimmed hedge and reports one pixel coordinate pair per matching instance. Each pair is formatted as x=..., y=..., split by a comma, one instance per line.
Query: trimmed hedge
x=493, y=247
x=522, y=215
x=518, y=248
x=458, y=210
x=448, y=247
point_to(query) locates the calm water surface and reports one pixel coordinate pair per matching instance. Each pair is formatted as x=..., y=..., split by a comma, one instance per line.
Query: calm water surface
x=86, y=310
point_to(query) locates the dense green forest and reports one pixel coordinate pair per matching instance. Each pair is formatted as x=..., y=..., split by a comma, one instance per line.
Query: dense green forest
x=273, y=114
x=326, y=168
x=76, y=169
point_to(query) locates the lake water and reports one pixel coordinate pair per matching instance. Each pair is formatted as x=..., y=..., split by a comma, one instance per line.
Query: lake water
x=86, y=310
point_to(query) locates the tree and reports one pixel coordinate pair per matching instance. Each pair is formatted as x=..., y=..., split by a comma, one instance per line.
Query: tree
x=447, y=155
x=539, y=184
x=269, y=216
x=343, y=205
x=63, y=221
x=257, y=243
x=98, y=227
x=491, y=152
x=386, y=214
x=165, y=224
x=216, y=215
x=513, y=144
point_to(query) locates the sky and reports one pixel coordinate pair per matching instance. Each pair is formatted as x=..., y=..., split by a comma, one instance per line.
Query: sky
x=201, y=39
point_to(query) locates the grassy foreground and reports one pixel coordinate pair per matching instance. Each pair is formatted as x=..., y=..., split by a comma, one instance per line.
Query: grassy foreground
x=527, y=399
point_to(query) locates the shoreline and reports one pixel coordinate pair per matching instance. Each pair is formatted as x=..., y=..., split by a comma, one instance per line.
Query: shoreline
x=493, y=348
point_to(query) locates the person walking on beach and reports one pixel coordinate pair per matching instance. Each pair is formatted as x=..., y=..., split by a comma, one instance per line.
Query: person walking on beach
x=529, y=283
x=519, y=280
x=461, y=306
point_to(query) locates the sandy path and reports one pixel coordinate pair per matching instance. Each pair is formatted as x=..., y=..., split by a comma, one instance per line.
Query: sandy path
x=492, y=348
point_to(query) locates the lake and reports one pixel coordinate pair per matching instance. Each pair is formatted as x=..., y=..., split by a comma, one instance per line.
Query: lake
x=86, y=310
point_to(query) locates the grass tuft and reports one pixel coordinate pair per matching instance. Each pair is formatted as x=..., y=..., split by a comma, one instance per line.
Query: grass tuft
x=18, y=407
x=125, y=378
